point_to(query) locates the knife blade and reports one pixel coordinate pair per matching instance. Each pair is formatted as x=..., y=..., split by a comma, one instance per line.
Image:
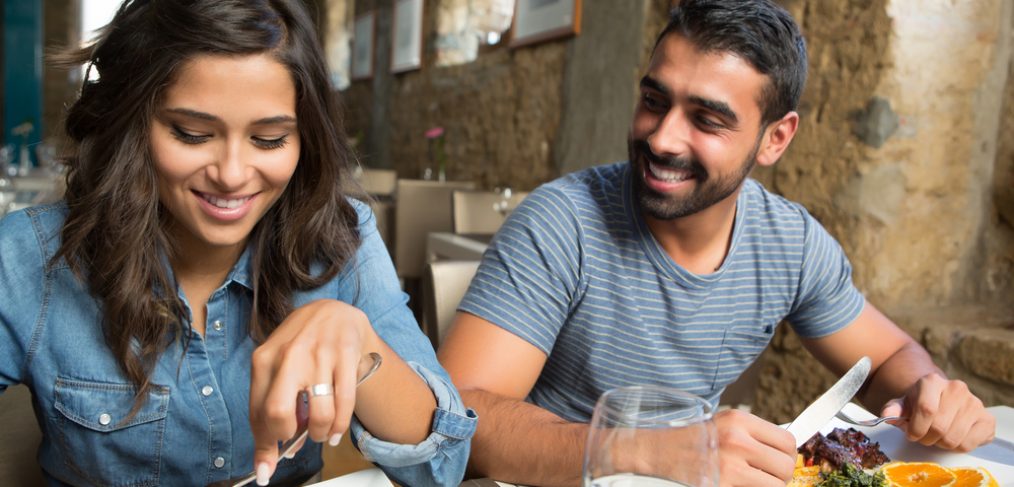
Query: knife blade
x=816, y=415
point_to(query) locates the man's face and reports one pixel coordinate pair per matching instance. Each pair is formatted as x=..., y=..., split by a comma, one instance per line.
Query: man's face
x=696, y=129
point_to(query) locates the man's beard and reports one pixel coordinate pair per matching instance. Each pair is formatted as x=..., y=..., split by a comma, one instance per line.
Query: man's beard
x=707, y=190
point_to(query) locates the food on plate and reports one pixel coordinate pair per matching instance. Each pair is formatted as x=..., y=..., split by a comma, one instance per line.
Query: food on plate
x=848, y=458
x=841, y=447
x=973, y=477
x=918, y=474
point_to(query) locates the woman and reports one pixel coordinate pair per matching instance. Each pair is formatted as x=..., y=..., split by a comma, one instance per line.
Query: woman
x=205, y=267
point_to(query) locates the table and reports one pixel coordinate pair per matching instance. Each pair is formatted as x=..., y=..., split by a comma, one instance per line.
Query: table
x=454, y=246
x=997, y=457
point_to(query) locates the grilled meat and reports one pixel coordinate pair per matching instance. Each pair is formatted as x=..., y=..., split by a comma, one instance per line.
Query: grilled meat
x=842, y=446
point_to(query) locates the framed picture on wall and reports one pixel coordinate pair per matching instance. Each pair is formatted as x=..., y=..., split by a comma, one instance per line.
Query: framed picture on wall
x=362, y=46
x=542, y=20
x=406, y=42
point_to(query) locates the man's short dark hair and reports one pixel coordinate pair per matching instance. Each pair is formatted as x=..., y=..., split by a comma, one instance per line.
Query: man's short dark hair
x=758, y=31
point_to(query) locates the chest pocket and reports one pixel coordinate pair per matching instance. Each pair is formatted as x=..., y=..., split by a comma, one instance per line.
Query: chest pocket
x=98, y=440
x=740, y=347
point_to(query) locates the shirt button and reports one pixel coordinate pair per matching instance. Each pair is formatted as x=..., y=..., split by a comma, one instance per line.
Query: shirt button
x=207, y=390
x=217, y=325
x=219, y=462
x=105, y=419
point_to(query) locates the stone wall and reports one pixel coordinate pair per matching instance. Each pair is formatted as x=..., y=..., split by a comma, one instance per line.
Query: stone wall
x=901, y=137
x=501, y=113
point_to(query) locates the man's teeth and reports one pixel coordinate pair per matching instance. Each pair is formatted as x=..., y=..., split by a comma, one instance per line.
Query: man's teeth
x=224, y=202
x=668, y=175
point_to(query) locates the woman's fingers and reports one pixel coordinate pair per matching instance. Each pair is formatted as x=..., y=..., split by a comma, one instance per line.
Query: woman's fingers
x=345, y=379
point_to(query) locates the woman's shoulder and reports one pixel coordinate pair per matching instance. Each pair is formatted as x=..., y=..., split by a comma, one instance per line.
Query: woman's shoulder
x=36, y=227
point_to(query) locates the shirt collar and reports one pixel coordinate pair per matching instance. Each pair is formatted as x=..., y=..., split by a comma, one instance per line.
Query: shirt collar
x=242, y=271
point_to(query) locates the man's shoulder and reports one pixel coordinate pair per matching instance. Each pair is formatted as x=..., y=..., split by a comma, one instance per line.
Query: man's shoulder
x=771, y=208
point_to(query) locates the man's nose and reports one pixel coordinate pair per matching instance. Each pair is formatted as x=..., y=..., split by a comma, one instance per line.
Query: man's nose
x=671, y=136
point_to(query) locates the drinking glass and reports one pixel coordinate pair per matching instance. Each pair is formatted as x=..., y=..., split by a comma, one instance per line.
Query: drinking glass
x=645, y=436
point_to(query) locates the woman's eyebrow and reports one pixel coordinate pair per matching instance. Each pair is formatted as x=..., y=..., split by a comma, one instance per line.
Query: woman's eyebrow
x=273, y=120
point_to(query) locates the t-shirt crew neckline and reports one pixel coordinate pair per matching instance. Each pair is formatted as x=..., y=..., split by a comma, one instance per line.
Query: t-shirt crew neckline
x=658, y=256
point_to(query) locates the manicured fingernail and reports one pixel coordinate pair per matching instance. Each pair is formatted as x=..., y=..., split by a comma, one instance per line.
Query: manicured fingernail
x=263, y=474
x=334, y=439
x=291, y=455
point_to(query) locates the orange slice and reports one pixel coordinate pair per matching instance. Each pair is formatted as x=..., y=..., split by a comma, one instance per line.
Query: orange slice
x=918, y=474
x=973, y=477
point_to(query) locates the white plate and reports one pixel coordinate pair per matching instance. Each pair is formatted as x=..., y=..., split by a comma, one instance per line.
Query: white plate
x=373, y=477
x=999, y=460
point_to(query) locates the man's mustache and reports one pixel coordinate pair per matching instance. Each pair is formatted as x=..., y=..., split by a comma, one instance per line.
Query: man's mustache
x=642, y=149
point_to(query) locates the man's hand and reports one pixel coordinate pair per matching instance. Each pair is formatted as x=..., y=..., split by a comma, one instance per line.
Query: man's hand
x=944, y=413
x=753, y=452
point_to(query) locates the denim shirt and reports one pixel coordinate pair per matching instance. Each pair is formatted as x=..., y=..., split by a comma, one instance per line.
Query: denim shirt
x=194, y=427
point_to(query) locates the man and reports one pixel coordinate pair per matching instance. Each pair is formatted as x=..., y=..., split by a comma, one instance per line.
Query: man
x=675, y=269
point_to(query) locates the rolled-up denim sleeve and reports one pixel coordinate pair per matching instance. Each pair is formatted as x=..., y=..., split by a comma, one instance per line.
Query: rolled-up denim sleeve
x=440, y=458
x=371, y=284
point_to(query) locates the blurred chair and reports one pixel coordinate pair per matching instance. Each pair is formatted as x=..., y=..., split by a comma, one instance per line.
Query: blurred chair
x=444, y=286
x=21, y=438
x=379, y=186
x=482, y=212
x=379, y=182
x=421, y=207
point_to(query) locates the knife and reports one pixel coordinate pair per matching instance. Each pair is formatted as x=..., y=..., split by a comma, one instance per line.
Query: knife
x=816, y=415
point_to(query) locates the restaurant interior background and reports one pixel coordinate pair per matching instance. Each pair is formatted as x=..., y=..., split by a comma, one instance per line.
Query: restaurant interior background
x=905, y=151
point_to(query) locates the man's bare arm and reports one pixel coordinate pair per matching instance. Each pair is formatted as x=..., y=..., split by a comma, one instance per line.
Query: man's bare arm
x=938, y=411
x=898, y=361
x=495, y=370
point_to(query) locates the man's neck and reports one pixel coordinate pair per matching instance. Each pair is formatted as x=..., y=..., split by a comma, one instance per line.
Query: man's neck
x=699, y=242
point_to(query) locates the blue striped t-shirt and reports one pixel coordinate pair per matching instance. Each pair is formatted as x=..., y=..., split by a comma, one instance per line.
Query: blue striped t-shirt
x=576, y=272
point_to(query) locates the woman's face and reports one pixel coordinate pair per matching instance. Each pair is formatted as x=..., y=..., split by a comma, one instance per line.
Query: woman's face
x=225, y=144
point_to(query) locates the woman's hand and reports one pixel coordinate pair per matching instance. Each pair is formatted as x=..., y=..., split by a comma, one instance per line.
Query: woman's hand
x=322, y=342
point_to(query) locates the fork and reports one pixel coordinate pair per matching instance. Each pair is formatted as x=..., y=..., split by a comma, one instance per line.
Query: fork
x=290, y=445
x=865, y=422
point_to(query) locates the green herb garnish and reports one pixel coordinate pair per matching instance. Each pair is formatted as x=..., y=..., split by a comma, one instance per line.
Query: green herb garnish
x=851, y=476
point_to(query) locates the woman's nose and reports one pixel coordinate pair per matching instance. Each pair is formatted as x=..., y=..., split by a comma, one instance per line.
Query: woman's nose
x=229, y=171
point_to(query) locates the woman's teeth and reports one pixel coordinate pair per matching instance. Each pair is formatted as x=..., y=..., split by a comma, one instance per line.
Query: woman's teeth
x=228, y=203
x=667, y=174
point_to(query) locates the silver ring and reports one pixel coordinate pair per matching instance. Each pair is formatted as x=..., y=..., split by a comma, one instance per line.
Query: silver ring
x=321, y=390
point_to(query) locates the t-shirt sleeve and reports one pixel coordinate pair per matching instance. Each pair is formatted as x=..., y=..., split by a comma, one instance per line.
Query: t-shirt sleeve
x=827, y=300
x=530, y=276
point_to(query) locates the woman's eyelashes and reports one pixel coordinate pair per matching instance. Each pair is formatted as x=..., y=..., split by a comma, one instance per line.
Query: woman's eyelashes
x=188, y=137
x=265, y=143
x=191, y=138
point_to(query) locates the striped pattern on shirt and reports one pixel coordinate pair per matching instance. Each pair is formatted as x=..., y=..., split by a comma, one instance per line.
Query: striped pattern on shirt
x=575, y=272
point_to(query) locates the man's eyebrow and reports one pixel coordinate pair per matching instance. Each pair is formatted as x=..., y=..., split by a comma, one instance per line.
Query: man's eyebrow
x=719, y=107
x=186, y=112
x=653, y=84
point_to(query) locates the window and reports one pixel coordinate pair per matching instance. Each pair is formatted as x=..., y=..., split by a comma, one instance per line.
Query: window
x=463, y=26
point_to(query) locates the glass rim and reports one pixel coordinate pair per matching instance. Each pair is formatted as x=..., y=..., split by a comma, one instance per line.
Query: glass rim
x=706, y=406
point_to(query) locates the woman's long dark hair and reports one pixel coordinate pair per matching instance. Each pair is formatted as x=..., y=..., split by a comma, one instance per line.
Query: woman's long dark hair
x=115, y=238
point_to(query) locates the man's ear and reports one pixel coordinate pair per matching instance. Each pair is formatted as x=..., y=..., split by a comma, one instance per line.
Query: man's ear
x=776, y=139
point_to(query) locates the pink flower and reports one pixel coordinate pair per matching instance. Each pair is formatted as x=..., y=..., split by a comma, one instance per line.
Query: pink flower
x=434, y=132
